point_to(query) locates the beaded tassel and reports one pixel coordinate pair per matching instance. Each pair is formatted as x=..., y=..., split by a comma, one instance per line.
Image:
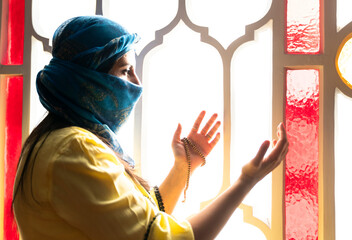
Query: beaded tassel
x=185, y=143
x=194, y=147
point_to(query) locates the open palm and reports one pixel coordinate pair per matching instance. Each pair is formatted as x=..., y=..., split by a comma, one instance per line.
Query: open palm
x=205, y=140
x=263, y=164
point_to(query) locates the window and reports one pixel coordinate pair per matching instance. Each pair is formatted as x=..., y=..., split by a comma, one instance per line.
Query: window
x=255, y=66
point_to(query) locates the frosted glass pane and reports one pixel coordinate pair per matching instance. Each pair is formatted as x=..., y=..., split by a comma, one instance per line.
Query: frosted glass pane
x=12, y=32
x=226, y=19
x=344, y=63
x=49, y=14
x=39, y=59
x=177, y=86
x=343, y=15
x=302, y=161
x=343, y=165
x=12, y=132
x=251, y=113
x=303, y=26
x=140, y=16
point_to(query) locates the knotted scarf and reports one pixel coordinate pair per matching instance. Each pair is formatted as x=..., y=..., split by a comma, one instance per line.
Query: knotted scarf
x=76, y=86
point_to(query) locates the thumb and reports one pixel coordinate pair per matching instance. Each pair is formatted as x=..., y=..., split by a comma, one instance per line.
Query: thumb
x=177, y=134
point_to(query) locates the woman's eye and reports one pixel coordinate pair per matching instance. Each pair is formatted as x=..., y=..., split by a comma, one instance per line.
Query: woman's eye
x=126, y=71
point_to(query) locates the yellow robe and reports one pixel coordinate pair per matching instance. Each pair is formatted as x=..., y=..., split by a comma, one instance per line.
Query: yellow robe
x=79, y=190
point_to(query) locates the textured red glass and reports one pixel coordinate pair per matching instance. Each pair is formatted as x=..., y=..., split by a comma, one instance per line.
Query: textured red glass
x=12, y=33
x=301, y=180
x=303, y=26
x=13, y=141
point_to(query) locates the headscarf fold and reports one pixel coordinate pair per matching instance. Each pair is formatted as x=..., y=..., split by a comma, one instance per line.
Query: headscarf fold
x=75, y=85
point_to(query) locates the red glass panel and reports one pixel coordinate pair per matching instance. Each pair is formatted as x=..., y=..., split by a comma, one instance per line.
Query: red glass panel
x=13, y=141
x=12, y=32
x=303, y=26
x=301, y=181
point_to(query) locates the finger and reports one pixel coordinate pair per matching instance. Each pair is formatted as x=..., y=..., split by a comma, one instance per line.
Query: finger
x=261, y=153
x=177, y=134
x=209, y=124
x=284, y=152
x=280, y=158
x=278, y=145
x=198, y=121
x=215, y=141
x=280, y=148
x=278, y=154
x=274, y=142
x=281, y=131
x=213, y=130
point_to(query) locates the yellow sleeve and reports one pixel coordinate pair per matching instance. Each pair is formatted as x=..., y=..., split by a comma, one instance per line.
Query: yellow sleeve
x=167, y=227
x=91, y=191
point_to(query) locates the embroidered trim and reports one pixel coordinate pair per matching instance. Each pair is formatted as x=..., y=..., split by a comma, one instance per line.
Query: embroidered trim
x=159, y=198
x=146, y=235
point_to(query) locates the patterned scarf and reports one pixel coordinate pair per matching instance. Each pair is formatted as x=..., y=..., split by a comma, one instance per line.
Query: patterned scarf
x=75, y=85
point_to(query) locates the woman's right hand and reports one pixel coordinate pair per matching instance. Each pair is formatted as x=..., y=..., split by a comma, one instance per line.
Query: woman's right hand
x=260, y=165
x=205, y=139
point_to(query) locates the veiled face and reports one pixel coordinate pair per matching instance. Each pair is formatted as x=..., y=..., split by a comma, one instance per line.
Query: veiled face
x=124, y=68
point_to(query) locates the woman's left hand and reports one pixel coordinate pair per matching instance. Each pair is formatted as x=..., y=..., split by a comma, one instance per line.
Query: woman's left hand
x=205, y=140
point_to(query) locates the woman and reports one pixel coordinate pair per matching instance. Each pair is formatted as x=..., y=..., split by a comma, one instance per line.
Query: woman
x=75, y=182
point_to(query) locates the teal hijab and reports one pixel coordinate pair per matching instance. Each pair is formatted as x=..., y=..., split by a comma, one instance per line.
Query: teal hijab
x=76, y=86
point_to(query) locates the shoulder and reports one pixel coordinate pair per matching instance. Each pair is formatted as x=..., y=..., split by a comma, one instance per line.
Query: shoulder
x=67, y=134
x=77, y=144
x=66, y=137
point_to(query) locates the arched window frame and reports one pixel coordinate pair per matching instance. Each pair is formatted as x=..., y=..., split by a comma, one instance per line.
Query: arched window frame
x=325, y=62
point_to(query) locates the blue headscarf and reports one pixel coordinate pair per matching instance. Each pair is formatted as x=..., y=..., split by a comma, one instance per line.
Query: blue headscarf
x=75, y=85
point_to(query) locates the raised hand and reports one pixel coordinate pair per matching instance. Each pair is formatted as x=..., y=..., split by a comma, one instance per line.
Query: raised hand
x=260, y=166
x=204, y=140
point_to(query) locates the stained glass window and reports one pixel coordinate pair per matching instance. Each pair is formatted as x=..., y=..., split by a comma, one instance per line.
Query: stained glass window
x=302, y=168
x=229, y=57
x=12, y=44
x=12, y=32
x=11, y=90
x=303, y=26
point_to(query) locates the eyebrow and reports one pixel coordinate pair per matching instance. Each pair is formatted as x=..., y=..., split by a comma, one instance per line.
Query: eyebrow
x=123, y=62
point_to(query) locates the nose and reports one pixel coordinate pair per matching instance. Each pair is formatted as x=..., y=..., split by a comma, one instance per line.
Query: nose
x=135, y=79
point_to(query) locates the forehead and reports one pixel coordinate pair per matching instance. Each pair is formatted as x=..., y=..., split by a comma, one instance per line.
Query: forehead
x=128, y=58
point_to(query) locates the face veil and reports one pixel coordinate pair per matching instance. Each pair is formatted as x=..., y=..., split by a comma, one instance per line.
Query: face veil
x=75, y=84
